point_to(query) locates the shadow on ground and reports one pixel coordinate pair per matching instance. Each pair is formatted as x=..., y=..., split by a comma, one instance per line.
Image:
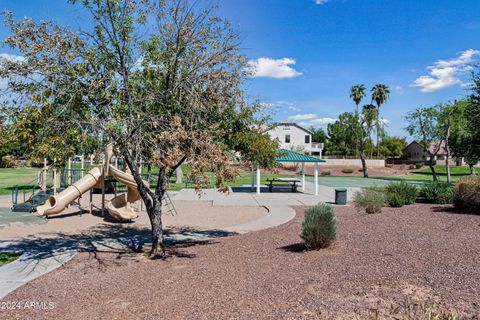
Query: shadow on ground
x=109, y=238
x=453, y=210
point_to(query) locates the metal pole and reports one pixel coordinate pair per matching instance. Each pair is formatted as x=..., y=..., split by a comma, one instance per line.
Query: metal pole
x=258, y=179
x=303, y=176
x=69, y=170
x=82, y=166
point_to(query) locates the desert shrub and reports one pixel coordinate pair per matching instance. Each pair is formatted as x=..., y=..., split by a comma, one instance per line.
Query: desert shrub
x=369, y=199
x=418, y=165
x=8, y=161
x=395, y=200
x=412, y=166
x=319, y=227
x=325, y=173
x=437, y=192
x=347, y=170
x=403, y=166
x=400, y=193
x=388, y=165
x=467, y=193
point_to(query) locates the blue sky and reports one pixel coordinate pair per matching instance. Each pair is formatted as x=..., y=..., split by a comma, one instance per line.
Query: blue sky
x=308, y=53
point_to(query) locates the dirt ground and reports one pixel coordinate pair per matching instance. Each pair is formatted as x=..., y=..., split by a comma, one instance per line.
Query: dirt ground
x=392, y=265
x=396, y=170
x=193, y=214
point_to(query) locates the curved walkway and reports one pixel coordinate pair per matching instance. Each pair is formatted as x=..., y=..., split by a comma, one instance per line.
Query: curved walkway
x=41, y=256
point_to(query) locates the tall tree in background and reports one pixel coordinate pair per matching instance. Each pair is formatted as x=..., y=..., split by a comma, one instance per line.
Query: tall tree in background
x=392, y=146
x=357, y=93
x=465, y=138
x=424, y=126
x=161, y=81
x=380, y=94
x=369, y=115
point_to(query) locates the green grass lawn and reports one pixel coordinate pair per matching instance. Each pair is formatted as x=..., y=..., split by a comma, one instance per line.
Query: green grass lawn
x=8, y=256
x=245, y=178
x=426, y=174
x=11, y=177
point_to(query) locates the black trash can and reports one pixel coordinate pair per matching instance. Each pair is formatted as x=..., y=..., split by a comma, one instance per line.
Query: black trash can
x=341, y=196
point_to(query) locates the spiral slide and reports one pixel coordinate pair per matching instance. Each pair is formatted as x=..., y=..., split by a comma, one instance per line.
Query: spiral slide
x=119, y=207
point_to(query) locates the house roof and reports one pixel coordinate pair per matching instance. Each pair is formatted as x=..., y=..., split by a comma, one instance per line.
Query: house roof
x=292, y=156
x=289, y=123
x=431, y=147
x=434, y=145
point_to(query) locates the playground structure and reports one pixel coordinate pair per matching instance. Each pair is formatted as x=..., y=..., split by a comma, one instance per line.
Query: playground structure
x=53, y=201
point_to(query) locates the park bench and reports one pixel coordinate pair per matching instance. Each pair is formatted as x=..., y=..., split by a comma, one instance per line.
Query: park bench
x=291, y=182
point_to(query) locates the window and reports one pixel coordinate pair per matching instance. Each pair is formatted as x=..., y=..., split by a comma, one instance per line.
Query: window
x=287, y=138
x=307, y=138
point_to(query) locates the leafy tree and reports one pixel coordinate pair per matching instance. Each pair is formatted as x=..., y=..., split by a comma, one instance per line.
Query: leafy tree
x=161, y=81
x=341, y=135
x=318, y=135
x=369, y=114
x=424, y=126
x=392, y=146
x=380, y=94
x=465, y=136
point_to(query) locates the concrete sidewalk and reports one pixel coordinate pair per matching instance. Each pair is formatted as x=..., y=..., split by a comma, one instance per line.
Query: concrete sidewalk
x=41, y=256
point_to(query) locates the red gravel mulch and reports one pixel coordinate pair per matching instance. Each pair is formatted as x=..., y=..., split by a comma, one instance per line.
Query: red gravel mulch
x=401, y=258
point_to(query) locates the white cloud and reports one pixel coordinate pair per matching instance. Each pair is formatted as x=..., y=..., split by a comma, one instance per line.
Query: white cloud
x=307, y=116
x=321, y=1
x=311, y=120
x=323, y=120
x=11, y=57
x=6, y=57
x=273, y=68
x=399, y=90
x=446, y=73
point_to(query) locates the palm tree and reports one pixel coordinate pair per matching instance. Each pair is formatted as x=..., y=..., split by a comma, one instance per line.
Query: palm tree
x=380, y=94
x=357, y=93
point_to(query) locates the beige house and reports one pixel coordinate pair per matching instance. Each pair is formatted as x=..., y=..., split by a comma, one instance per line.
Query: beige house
x=415, y=152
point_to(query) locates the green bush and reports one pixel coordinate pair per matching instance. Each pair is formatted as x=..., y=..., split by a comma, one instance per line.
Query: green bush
x=347, y=170
x=437, y=192
x=418, y=165
x=369, y=199
x=400, y=193
x=325, y=173
x=319, y=227
x=467, y=193
x=395, y=200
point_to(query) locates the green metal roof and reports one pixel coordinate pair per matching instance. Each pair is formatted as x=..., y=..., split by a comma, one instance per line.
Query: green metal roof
x=292, y=156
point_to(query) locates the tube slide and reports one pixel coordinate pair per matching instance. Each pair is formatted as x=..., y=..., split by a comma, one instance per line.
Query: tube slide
x=59, y=202
x=119, y=207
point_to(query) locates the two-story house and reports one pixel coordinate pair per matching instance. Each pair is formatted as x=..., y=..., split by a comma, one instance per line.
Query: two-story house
x=292, y=136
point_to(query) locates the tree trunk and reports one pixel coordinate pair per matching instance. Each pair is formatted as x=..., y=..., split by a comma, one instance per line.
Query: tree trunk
x=155, y=215
x=378, y=144
x=447, y=158
x=472, y=169
x=364, y=166
x=432, y=168
x=153, y=203
x=371, y=144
